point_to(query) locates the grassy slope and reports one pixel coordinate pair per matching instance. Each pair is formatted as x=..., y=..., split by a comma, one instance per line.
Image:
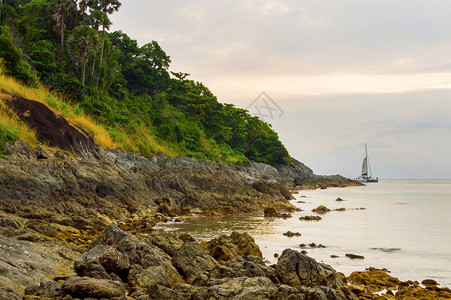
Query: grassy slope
x=11, y=128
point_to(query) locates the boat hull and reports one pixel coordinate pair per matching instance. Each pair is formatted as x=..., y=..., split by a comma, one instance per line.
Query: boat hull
x=364, y=180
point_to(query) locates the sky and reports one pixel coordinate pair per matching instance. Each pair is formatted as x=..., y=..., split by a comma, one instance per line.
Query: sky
x=335, y=74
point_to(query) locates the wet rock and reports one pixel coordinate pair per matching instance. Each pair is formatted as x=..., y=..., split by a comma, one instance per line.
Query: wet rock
x=354, y=256
x=429, y=282
x=192, y=259
x=297, y=270
x=387, y=249
x=246, y=244
x=310, y=218
x=86, y=287
x=374, y=280
x=291, y=234
x=321, y=209
x=271, y=212
x=222, y=248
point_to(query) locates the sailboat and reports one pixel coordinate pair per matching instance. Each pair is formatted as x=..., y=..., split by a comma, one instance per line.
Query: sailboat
x=366, y=176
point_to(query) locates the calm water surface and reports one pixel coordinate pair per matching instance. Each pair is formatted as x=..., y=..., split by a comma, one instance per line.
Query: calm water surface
x=412, y=215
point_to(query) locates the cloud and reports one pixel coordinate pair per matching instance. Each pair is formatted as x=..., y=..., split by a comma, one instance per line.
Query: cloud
x=344, y=72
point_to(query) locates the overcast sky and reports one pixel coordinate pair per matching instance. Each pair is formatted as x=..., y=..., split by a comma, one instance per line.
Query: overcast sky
x=340, y=73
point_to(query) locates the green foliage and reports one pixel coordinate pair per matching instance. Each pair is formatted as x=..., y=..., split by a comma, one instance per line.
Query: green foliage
x=7, y=135
x=12, y=59
x=127, y=88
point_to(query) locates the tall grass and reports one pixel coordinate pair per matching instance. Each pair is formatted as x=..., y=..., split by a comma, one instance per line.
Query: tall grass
x=73, y=113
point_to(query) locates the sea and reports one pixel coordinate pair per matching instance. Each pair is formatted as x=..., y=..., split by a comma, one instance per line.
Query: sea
x=403, y=226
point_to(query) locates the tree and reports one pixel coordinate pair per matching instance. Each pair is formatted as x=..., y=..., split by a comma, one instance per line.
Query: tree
x=60, y=8
x=107, y=7
x=82, y=41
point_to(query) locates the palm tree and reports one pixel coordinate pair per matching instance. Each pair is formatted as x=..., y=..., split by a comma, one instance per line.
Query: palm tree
x=60, y=8
x=107, y=7
x=83, y=40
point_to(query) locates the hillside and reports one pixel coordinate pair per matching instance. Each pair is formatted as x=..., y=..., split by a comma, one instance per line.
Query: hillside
x=125, y=93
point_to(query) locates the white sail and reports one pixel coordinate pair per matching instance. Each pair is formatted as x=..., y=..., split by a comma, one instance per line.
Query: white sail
x=365, y=167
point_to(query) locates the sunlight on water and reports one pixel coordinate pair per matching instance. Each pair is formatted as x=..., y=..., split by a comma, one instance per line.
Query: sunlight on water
x=405, y=227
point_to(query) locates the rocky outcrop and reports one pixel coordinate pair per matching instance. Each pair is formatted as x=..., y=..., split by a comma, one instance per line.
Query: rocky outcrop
x=366, y=284
x=120, y=265
x=51, y=129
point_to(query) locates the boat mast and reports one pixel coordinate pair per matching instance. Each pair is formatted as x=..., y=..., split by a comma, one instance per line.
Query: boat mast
x=368, y=161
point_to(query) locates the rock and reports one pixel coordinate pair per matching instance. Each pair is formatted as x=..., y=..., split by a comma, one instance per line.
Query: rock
x=420, y=293
x=222, y=248
x=10, y=223
x=374, y=280
x=334, y=256
x=321, y=209
x=340, y=209
x=276, y=255
x=43, y=153
x=339, y=199
x=50, y=128
x=47, y=289
x=249, y=266
x=164, y=274
x=304, y=252
x=429, y=282
x=291, y=234
x=354, y=256
x=297, y=270
x=192, y=259
x=86, y=287
x=9, y=294
x=310, y=218
x=271, y=212
x=23, y=263
x=167, y=241
x=238, y=288
x=138, y=251
x=246, y=244
x=101, y=262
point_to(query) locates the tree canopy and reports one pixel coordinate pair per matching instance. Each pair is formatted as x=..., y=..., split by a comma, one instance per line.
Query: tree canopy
x=127, y=87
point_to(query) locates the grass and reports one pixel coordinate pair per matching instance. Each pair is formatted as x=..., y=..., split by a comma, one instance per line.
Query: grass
x=73, y=113
x=132, y=137
x=11, y=128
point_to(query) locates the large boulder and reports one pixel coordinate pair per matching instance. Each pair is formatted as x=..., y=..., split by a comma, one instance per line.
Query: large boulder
x=86, y=287
x=222, y=248
x=246, y=244
x=103, y=262
x=149, y=265
x=139, y=251
x=300, y=271
x=167, y=241
x=192, y=259
x=239, y=288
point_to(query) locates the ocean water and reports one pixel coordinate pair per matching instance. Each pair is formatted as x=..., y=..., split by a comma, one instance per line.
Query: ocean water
x=405, y=228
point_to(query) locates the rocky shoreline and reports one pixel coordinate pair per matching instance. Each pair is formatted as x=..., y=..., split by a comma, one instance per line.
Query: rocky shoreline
x=119, y=265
